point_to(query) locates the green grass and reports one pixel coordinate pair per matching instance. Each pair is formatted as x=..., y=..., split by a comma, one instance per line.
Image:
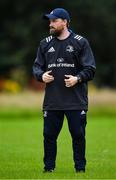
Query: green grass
x=21, y=146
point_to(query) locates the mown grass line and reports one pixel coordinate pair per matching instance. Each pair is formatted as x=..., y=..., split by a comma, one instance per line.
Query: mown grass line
x=18, y=113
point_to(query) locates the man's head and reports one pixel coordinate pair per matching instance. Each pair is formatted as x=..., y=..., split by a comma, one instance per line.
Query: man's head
x=59, y=20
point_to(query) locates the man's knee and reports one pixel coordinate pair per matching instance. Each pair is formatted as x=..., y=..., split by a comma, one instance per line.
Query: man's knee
x=79, y=134
x=48, y=135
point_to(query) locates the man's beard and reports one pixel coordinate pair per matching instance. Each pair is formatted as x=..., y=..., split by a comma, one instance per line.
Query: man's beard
x=55, y=32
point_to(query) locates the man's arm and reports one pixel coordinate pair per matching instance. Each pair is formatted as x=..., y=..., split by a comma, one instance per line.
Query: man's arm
x=39, y=69
x=39, y=65
x=87, y=63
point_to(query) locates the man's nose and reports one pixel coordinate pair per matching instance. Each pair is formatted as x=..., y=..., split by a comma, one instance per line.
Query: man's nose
x=50, y=24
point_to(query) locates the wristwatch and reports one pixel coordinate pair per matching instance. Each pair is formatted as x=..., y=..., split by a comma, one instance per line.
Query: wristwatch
x=79, y=79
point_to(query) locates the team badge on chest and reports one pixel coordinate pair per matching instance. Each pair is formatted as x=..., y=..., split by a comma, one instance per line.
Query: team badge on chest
x=69, y=48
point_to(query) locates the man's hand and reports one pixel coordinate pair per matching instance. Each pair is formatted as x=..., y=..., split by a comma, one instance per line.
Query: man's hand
x=47, y=78
x=70, y=80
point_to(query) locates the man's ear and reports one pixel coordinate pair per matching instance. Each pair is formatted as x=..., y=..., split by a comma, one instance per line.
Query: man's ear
x=65, y=20
x=67, y=23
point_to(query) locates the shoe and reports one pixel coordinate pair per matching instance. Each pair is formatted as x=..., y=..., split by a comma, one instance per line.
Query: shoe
x=48, y=170
x=80, y=170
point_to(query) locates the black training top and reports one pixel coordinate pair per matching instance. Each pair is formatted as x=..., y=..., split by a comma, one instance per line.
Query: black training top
x=71, y=56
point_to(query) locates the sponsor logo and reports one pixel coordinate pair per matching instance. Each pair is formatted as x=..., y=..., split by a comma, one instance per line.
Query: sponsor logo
x=45, y=113
x=83, y=112
x=61, y=65
x=48, y=39
x=78, y=37
x=51, y=12
x=51, y=49
x=60, y=60
x=69, y=48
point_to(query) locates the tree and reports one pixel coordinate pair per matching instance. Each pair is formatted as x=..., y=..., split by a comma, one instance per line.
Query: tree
x=22, y=28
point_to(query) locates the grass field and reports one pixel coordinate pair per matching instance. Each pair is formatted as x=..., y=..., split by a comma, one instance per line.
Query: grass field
x=21, y=145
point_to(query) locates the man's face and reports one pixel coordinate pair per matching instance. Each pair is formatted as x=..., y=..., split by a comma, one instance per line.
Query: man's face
x=57, y=26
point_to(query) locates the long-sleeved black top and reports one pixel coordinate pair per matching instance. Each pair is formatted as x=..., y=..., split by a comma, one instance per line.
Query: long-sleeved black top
x=71, y=56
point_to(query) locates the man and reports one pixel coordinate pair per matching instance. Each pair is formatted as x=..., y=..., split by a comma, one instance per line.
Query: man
x=65, y=63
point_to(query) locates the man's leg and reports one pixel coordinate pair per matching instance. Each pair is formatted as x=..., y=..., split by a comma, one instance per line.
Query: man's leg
x=53, y=121
x=77, y=123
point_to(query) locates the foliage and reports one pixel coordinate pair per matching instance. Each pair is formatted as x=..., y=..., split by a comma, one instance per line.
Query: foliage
x=10, y=86
x=22, y=28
